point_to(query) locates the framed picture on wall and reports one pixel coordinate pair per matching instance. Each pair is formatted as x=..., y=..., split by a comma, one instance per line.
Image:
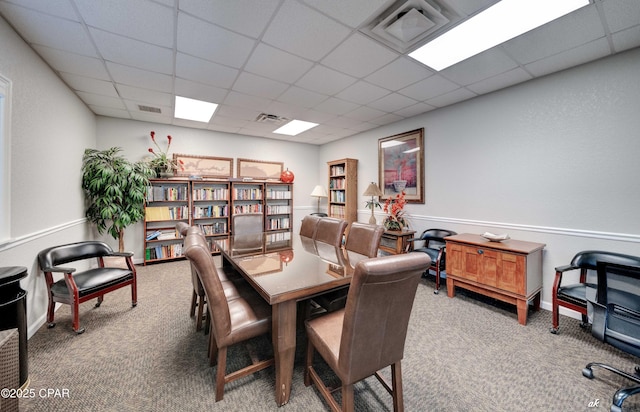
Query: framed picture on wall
x=204, y=166
x=259, y=169
x=401, y=165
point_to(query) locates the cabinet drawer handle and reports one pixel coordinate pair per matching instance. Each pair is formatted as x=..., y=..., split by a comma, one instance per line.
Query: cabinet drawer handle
x=480, y=251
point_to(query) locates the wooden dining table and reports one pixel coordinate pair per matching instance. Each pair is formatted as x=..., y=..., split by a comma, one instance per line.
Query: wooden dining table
x=285, y=268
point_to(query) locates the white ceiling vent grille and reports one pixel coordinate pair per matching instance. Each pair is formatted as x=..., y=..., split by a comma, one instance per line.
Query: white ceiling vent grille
x=149, y=109
x=270, y=118
x=409, y=22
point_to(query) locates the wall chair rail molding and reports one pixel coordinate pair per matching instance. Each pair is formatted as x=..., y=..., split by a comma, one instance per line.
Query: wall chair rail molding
x=15, y=242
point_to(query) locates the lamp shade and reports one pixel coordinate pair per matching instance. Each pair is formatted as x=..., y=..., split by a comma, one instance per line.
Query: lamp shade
x=373, y=190
x=319, y=191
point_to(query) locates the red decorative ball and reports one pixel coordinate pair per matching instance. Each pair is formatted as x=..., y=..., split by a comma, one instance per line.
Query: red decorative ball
x=286, y=256
x=287, y=176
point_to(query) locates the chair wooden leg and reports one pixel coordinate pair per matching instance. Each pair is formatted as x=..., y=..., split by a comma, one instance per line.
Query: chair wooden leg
x=437, y=290
x=200, y=305
x=194, y=300
x=213, y=350
x=347, y=398
x=75, y=315
x=307, y=364
x=222, y=365
x=396, y=378
x=555, y=316
x=51, y=310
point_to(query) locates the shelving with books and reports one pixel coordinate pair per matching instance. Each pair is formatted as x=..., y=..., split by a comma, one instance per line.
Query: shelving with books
x=247, y=197
x=278, y=206
x=167, y=202
x=210, y=208
x=343, y=189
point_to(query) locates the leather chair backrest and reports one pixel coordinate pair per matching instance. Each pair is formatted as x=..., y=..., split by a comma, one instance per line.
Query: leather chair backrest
x=309, y=225
x=59, y=255
x=330, y=253
x=330, y=230
x=434, y=238
x=182, y=228
x=364, y=239
x=589, y=259
x=247, y=223
x=377, y=313
x=203, y=263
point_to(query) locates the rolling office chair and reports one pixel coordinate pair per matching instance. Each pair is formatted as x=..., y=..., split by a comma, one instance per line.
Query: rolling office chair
x=616, y=320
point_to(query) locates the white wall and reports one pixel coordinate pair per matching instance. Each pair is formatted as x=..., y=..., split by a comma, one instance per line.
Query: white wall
x=553, y=160
x=133, y=137
x=50, y=128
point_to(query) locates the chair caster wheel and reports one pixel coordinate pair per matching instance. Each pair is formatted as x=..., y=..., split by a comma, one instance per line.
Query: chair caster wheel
x=553, y=330
x=435, y=292
x=97, y=305
x=587, y=373
x=134, y=304
x=80, y=331
x=51, y=325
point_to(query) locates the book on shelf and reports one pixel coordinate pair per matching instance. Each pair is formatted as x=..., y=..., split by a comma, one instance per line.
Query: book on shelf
x=153, y=235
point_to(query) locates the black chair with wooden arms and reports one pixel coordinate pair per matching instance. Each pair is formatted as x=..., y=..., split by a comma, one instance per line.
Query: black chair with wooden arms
x=74, y=287
x=434, y=246
x=233, y=320
x=369, y=333
x=616, y=321
x=572, y=295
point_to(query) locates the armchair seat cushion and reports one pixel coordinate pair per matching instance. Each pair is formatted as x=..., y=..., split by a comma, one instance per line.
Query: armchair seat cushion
x=433, y=253
x=92, y=280
x=576, y=293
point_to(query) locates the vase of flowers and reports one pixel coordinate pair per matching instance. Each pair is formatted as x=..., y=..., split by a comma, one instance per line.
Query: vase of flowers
x=394, y=206
x=161, y=163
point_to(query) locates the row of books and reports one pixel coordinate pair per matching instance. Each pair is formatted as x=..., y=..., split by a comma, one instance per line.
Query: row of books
x=336, y=183
x=166, y=193
x=338, y=196
x=336, y=170
x=278, y=209
x=200, y=212
x=155, y=213
x=162, y=235
x=247, y=194
x=252, y=208
x=217, y=228
x=275, y=224
x=337, y=211
x=163, y=251
x=210, y=193
x=278, y=194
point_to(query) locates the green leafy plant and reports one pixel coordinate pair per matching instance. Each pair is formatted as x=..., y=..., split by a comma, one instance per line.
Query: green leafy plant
x=161, y=161
x=114, y=190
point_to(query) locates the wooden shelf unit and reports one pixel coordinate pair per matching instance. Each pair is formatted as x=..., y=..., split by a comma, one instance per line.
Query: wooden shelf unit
x=343, y=189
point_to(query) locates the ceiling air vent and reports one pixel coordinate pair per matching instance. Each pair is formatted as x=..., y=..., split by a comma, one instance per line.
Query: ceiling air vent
x=149, y=109
x=270, y=118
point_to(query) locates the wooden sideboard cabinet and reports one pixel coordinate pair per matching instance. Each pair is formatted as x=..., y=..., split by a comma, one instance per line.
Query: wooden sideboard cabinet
x=510, y=271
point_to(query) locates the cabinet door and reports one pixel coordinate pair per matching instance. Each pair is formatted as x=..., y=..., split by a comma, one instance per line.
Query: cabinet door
x=511, y=270
x=471, y=263
x=490, y=268
x=454, y=259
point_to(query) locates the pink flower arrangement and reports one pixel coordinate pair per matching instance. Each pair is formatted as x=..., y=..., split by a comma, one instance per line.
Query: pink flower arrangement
x=395, y=208
x=161, y=157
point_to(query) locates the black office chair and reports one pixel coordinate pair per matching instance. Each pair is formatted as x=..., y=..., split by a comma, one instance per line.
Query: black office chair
x=616, y=320
x=434, y=246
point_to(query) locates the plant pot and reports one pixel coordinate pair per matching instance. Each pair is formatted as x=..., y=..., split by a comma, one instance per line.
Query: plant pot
x=399, y=185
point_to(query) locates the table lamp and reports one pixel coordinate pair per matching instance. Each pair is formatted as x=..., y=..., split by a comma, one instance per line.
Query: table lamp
x=373, y=190
x=319, y=191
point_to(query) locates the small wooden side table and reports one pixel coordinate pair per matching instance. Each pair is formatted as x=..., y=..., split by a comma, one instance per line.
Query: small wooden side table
x=396, y=242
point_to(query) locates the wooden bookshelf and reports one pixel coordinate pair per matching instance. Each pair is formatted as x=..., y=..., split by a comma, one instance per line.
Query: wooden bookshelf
x=343, y=189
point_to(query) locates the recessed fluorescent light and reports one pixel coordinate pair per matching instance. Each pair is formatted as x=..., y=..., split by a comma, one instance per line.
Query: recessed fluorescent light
x=497, y=24
x=295, y=127
x=192, y=109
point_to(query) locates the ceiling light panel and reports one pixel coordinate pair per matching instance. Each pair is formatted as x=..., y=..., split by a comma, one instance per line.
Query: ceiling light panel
x=196, y=110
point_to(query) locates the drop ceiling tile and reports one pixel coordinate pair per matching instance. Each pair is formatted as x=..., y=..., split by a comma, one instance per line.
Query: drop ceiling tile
x=110, y=112
x=452, y=97
x=362, y=92
x=224, y=129
x=199, y=91
x=392, y=103
x=152, y=117
x=621, y=14
x=302, y=97
x=304, y=32
x=335, y=106
x=470, y=7
x=190, y=124
x=626, y=39
x=63, y=61
x=343, y=122
x=147, y=21
x=276, y=64
x=365, y=114
x=590, y=51
x=481, y=66
x=242, y=16
x=141, y=78
x=104, y=101
x=399, y=73
x=359, y=56
x=317, y=117
x=145, y=95
x=89, y=85
x=62, y=9
x=324, y=80
x=352, y=13
x=212, y=43
x=428, y=88
x=289, y=111
x=506, y=79
x=415, y=110
x=136, y=113
x=230, y=121
x=363, y=126
x=244, y=100
x=38, y=27
x=386, y=119
x=251, y=84
x=562, y=34
x=204, y=71
x=134, y=53
x=238, y=113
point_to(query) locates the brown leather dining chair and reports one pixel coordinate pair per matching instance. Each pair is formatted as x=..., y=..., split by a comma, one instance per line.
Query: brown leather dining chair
x=198, y=298
x=309, y=226
x=331, y=230
x=369, y=333
x=233, y=320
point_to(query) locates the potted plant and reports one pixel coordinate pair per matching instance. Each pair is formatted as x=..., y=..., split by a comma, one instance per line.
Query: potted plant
x=395, y=208
x=114, y=190
x=160, y=162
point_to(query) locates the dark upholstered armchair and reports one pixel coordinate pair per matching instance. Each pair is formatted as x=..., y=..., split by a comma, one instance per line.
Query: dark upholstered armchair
x=616, y=320
x=572, y=295
x=434, y=247
x=369, y=333
x=74, y=287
